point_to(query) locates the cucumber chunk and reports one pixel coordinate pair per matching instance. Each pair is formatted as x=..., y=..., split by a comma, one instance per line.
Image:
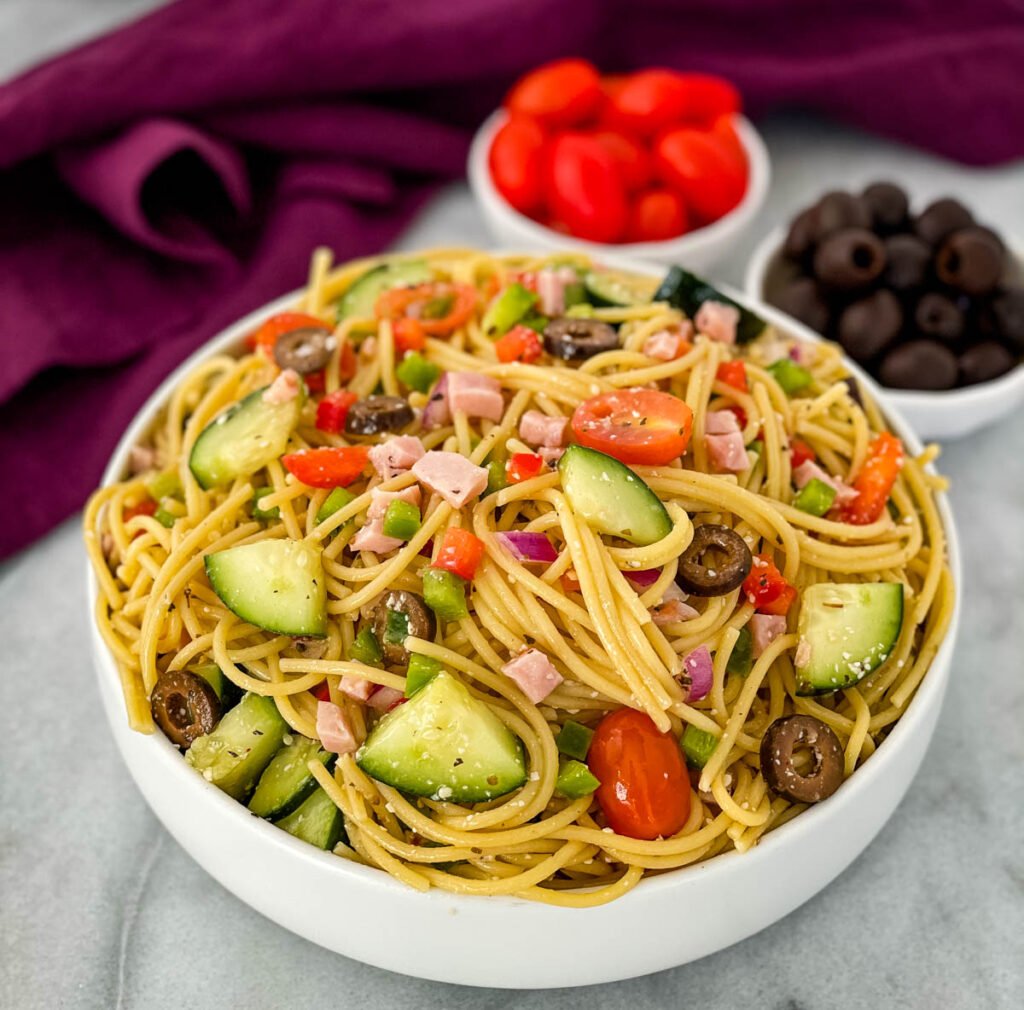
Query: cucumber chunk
x=278, y=585
x=287, y=780
x=686, y=291
x=611, y=498
x=846, y=630
x=610, y=287
x=445, y=744
x=243, y=439
x=317, y=821
x=234, y=755
x=359, y=300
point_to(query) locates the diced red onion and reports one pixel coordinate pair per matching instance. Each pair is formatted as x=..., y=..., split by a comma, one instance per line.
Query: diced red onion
x=427, y=550
x=644, y=578
x=436, y=414
x=697, y=667
x=528, y=547
x=384, y=698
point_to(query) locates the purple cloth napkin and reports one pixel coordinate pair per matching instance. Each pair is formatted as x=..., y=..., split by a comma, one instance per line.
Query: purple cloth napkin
x=167, y=178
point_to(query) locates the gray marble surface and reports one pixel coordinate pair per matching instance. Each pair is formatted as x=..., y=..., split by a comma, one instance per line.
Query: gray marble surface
x=99, y=908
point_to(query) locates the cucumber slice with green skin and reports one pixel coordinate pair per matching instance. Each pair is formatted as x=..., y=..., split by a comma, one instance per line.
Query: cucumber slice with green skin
x=287, y=780
x=234, y=755
x=609, y=287
x=445, y=744
x=846, y=629
x=359, y=301
x=317, y=821
x=686, y=291
x=278, y=585
x=243, y=439
x=611, y=498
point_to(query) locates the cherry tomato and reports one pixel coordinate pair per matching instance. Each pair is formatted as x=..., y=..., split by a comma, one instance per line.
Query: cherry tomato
x=733, y=373
x=656, y=215
x=460, y=553
x=766, y=589
x=645, y=788
x=633, y=162
x=522, y=466
x=709, y=96
x=649, y=101
x=724, y=130
x=276, y=326
x=332, y=410
x=700, y=166
x=875, y=480
x=516, y=162
x=799, y=452
x=585, y=189
x=329, y=467
x=635, y=425
x=561, y=93
x=439, y=308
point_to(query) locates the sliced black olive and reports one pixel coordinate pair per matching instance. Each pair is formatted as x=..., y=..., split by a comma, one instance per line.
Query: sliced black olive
x=698, y=577
x=306, y=350
x=376, y=414
x=397, y=615
x=184, y=706
x=577, y=339
x=779, y=747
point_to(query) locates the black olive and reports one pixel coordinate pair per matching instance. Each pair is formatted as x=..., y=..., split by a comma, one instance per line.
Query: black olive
x=699, y=578
x=1008, y=313
x=306, y=350
x=849, y=259
x=939, y=317
x=376, y=414
x=802, y=234
x=779, y=747
x=802, y=299
x=414, y=618
x=853, y=388
x=184, y=706
x=970, y=260
x=940, y=218
x=887, y=203
x=576, y=339
x=984, y=361
x=907, y=259
x=869, y=325
x=837, y=211
x=921, y=364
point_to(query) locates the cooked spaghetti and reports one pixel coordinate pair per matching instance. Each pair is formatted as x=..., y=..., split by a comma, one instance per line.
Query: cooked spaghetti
x=534, y=611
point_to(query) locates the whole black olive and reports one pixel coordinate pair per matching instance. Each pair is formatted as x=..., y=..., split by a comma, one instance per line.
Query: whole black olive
x=184, y=706
x=906, y=262
x=939, y=317
x=397, y=615
x=306, y=350
x=376, y=414
x=802, y=234
x=1008, y=313
x=574, y=339
x=849, y=259
x=866, y=327
x=984, y=361
x=940, y=218
x=970, y=261
x=836, y=211
x=921, y=364
x=803, y=300
x=779, y=746
x=887, y=203
x=698, y=577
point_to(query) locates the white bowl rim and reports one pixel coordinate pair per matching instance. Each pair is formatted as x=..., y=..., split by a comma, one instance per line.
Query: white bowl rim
x=690, y=242
x=932, y=685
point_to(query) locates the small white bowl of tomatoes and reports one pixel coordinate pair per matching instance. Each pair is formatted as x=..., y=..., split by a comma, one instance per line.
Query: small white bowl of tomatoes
x=657, y=164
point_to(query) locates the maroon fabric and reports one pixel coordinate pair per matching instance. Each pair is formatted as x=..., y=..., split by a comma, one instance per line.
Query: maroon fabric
x=167, y=178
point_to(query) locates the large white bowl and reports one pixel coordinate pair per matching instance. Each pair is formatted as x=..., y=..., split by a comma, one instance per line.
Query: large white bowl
x=696, y=250
x=505, y=942
x=944, y=414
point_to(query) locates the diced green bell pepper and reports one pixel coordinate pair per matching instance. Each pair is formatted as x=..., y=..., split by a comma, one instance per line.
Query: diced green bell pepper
x=366, y=649
x=575, y=779
x=507, y=309
x=416, y=372
x=742, y=657
x=445, y=594
x=790, y=376
x=396, y=627
x=401, y=520
x=698, y=746
x=422, y=670
x=573, y=740
x=164, y=485
x=815, y=497
x=497, y=479
x=264, y=515
x=337, y=499
x=165, y=518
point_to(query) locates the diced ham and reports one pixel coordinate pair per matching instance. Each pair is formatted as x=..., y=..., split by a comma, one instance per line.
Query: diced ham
x=551, y=285
x=396, y=455
x=358, y=688
x=551, y=454
x=534, y=673
x=764, y=629
x=368, y=348
x=384, y=698
x=380, y=500
x=333, y=729
x=284, y=388
x=721, y=422
x=667, y=345
x=718, y=321
x=141, y=458
x=451, y=475
x=371, y=538
x=809, y=470
x=673, y=607
x=475, y=395
x=539, y=429
x=727, y=453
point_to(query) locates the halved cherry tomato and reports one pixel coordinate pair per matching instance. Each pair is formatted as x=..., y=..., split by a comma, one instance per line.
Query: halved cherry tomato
x=799, y=453
x=585, y=190
x=276, y=326
x=875, y=480
x=635, y=425
x=656, y=215
x=733, y=373
x=709, y=96
x=522, y=466
x=649, y=101
x=460, y=553
x=516, y=163
x=700, y=166
x=645, y=788
x=560, y=93
x=146, y=507
x=332, y=410
x=766, y=589
x=328, y=467
x=439, y=308
x=409, y=335
x=519, y=344
x=631, y=159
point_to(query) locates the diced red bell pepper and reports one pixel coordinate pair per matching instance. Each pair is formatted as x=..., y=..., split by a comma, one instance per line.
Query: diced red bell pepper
x=332, y=410
x=733, y=373
x=329, y=467
x=146, y=507
x=766, y=589
x=409, y=335
x=322, y=692
x=522, y=466
x=460, y=553
x=875, y=480
x=799, y=453
x=519, y=344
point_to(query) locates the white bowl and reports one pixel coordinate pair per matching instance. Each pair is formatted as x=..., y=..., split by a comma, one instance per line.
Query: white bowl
x=944, y=414
x=696, y=250
x=506, y=942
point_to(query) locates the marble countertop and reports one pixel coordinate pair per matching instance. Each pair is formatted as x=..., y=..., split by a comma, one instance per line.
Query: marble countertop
x=100, y=908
